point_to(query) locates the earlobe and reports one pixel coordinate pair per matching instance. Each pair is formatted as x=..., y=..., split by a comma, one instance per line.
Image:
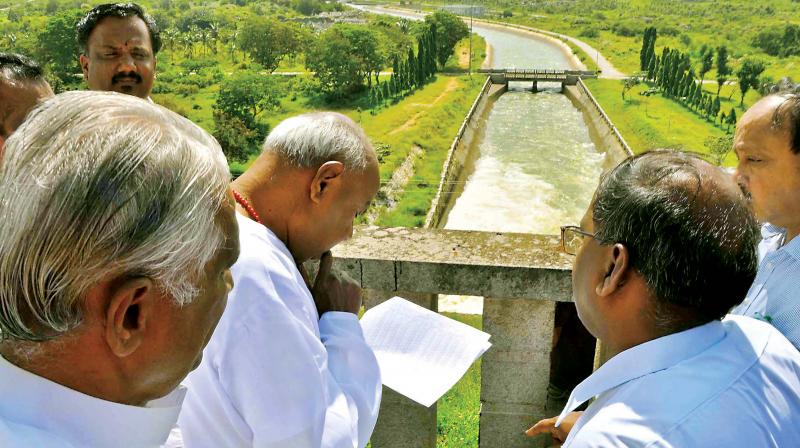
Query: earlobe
x=84, y=65
x=128, y=313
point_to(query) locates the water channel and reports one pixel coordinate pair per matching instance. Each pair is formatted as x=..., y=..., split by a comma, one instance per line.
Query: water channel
x=535, y=165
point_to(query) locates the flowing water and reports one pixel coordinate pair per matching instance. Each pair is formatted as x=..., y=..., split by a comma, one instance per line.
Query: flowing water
x=535, y=165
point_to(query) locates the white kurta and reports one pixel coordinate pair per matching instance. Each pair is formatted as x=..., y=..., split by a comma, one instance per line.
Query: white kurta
x=274, y=374
x=734, y=383
x=36, y=412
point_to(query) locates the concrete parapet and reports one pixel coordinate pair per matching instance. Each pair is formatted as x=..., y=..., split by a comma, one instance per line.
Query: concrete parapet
x=522, y=276
x=435, y=261
x=516, y=371
x=403, y=423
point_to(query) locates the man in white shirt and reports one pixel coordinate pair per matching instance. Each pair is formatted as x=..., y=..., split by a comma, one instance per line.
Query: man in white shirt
x=288, y=365
x=117, y=233
x=767, y=145
x=664, y=251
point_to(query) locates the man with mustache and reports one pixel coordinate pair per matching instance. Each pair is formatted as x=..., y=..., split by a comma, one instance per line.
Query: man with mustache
x=118, y=44
x=767, y=144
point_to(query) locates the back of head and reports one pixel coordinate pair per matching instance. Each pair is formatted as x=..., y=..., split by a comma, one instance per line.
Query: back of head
x=99, y=185
x=16, y=67
x=689, y=232
x=87, y=24
x=309, y=140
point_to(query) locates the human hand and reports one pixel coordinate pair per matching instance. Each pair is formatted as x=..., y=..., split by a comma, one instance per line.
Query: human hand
x=334, y=291
x=548, y=425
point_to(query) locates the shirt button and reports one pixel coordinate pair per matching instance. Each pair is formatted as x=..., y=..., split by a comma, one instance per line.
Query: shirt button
x=770, y=265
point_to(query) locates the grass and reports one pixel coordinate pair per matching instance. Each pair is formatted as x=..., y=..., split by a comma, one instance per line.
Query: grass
x=459, y=409
x=648, y=122
x=457, y=64
x=432, y=130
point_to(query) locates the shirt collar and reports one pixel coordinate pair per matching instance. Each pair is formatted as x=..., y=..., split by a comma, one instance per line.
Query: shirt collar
x=772, y=231
x=644, y=359
x=80, y=419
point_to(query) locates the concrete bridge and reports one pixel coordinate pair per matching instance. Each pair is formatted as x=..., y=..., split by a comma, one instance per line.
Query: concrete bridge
x=520, y=276
x=564, y=77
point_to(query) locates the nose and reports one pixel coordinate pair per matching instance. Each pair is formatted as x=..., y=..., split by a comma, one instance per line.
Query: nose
x=126, y=63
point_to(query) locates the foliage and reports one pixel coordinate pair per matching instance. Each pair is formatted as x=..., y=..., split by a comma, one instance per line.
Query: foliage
x=719, y=147
x=723, y=70
x=57, y=46
x=648, y=51
x=706, y=61
x=779, y=42
x=246, y=95
x=748, y=75
x=345, y=57
x=448, y=30
x=238, y=141
x=267, y=40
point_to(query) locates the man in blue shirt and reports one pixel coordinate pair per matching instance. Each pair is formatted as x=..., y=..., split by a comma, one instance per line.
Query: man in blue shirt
x=767, y=144
x=663, y=253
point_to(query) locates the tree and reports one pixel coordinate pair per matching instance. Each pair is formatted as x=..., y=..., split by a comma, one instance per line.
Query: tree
x=629, y=83
x=56, y=45
x=723, y=70
x=706, y=61
x=748, y=75
x=345, y=57
x=719, y=147
x=267, y=40
x=449, y=30
x=731, y=120
x=238, y=141
x=647, y=52
x=247, y=94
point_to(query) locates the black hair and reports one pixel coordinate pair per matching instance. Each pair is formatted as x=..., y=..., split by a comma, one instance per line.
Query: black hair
x=19, y=67
x=87, y=24
x=692, y=239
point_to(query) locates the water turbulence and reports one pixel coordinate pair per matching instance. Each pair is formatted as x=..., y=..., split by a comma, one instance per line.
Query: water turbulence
x=535, y=165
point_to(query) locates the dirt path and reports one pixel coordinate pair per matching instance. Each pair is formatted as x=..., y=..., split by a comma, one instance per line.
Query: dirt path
x=451, y=85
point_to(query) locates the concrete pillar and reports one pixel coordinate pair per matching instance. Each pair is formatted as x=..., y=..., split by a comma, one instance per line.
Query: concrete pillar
x=515, y=372
x=535, y=87
x=403, y=423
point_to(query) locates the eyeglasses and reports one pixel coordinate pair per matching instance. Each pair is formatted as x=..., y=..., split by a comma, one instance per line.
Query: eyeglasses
x=572, y=238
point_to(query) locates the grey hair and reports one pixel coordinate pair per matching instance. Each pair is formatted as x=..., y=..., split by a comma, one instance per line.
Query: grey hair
x=309, y=140
x=96, y=186
x=691, y=238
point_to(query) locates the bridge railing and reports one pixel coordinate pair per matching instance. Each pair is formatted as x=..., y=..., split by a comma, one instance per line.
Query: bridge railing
x=585, y=90
x=520, y=276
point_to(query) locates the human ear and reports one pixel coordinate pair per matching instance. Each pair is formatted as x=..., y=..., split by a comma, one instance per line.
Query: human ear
x=617, y=264
x=130, y=309
x=327, y=175
x=84, y=65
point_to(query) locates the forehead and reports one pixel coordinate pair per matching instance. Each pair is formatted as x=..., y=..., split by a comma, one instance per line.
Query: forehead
x=114, y=31
x=20, y=96
x=756, y=131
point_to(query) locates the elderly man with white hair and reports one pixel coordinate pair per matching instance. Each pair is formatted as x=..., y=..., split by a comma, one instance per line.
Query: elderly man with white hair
x=117, y=233
x=288, y=365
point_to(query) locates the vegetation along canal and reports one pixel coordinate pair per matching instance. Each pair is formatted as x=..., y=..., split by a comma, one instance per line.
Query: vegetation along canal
x=534, y=163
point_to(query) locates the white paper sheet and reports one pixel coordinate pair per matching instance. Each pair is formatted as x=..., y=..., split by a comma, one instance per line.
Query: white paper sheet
x=421, y=354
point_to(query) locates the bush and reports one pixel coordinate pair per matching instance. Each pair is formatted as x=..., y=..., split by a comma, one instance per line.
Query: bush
x=591, y=33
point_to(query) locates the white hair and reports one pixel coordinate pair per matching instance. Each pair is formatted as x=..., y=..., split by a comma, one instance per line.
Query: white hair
x=96, y=186
x=309, y=140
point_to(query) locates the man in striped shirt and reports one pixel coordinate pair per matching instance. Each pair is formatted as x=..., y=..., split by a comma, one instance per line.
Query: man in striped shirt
x=767, y=144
